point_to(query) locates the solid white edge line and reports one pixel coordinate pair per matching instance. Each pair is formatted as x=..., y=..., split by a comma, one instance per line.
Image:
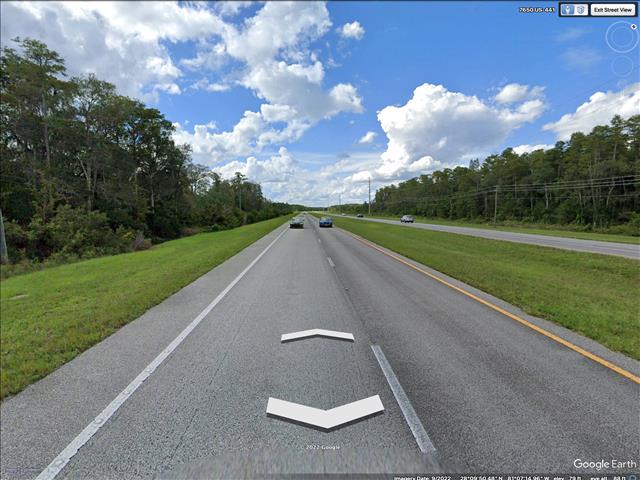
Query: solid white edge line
x=90, y=430
x=410, y=415
x=331, y=264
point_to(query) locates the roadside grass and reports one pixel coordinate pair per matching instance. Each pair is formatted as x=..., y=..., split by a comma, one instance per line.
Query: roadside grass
x=49, y=317
x=595, y=295
x=517, y=227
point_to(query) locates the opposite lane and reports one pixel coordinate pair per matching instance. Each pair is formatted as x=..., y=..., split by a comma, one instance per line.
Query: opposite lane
x=627, y=250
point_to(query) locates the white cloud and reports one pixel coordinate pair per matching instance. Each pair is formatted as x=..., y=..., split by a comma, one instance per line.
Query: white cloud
x=230, y=8
x=278, y=168
x=598, y=110
x=204, y=84
x=170, y=88
x=438, y=128
x=520, y=149
x=368, y=137
x=118, y=41
x=269, y=53
x=351, y=30
x=515, y=92
x=286, y=177
x=277, y=64
x=210, y=56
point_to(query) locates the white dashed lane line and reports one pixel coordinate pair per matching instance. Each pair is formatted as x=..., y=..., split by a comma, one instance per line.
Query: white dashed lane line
x=410, y=415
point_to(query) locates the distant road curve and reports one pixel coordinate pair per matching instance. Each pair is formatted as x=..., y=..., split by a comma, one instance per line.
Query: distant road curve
x=627, y=250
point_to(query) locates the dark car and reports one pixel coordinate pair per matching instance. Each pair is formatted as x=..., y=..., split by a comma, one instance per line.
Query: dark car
x=406, y=219
x=326, y=222
x=360, y=215
x=296, y=222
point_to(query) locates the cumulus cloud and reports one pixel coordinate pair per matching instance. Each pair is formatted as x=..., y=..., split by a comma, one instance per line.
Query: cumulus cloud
x=351, y=30
x=170, y=88
x=120, y=42
x=278, y=168
x=204, y=84
x=598, y=110
x=515, y=92
x=294, y=178
x=230, y=8
x=276, y=63
x=269, y=53
x=520, y=149
x=438, y=128
x=368, y=137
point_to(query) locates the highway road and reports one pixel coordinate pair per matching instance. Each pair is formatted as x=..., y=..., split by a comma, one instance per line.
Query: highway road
x=593, y=246
x=464, y=387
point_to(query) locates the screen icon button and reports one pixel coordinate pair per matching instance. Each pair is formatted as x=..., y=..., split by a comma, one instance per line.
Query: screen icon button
x=574, y=9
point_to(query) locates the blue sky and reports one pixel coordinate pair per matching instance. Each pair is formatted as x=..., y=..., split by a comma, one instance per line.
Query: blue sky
x=424, y=85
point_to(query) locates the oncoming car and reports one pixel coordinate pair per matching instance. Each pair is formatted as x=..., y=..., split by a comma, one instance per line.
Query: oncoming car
x=406, y=219
x=326, y=222
x=360, y=215
x=296, y=222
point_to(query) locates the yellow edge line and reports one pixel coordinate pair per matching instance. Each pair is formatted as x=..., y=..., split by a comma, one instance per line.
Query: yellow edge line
x=518, y=319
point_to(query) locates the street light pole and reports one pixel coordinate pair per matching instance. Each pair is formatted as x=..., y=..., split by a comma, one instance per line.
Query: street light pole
x=369, y=195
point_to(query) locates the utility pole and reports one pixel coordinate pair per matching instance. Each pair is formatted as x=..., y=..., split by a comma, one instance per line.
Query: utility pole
x=339, y=203
x=4, y=257
x=495, y=206
x=369, y=195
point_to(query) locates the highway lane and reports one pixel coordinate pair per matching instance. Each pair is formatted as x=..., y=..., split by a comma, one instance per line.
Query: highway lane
x=208, y=398
x=491, y=395
x=593, y=246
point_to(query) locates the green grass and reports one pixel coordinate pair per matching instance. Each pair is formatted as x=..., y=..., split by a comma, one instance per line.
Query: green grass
x=49, y=317
x=537, y=228
x=595, y=295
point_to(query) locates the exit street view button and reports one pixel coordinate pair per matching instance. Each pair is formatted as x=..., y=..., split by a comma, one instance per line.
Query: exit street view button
x=614, y=9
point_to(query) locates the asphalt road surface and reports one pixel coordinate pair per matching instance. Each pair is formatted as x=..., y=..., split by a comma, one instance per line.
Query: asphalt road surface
x=464, y=387
x=593, y=246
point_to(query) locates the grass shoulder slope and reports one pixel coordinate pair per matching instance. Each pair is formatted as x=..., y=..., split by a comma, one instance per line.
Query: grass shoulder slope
x=50, y=316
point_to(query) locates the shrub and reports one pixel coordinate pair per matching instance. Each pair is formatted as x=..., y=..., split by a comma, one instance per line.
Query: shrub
x=85, y=234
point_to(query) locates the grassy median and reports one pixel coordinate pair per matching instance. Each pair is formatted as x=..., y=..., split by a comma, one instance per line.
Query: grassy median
x=595, y=295
x=49, y=317
x=529, y=228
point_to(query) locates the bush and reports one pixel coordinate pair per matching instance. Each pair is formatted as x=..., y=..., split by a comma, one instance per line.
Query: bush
x=85, y=234
x=17, y=241
x=632, y=227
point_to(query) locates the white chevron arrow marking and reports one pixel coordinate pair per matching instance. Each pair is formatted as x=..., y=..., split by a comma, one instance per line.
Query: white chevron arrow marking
x=316, y=332
x=326, y=419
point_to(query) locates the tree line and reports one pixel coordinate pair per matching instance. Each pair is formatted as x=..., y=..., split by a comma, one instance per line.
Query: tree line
x=85, y=171
x=591, y=181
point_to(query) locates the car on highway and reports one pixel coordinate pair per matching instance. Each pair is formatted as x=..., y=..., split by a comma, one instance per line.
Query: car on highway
x=326, y=222
x=296, y=222
x=360, y=215
x=406, y=219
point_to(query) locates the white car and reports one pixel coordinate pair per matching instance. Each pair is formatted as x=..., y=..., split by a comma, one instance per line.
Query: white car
x=406, y=219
